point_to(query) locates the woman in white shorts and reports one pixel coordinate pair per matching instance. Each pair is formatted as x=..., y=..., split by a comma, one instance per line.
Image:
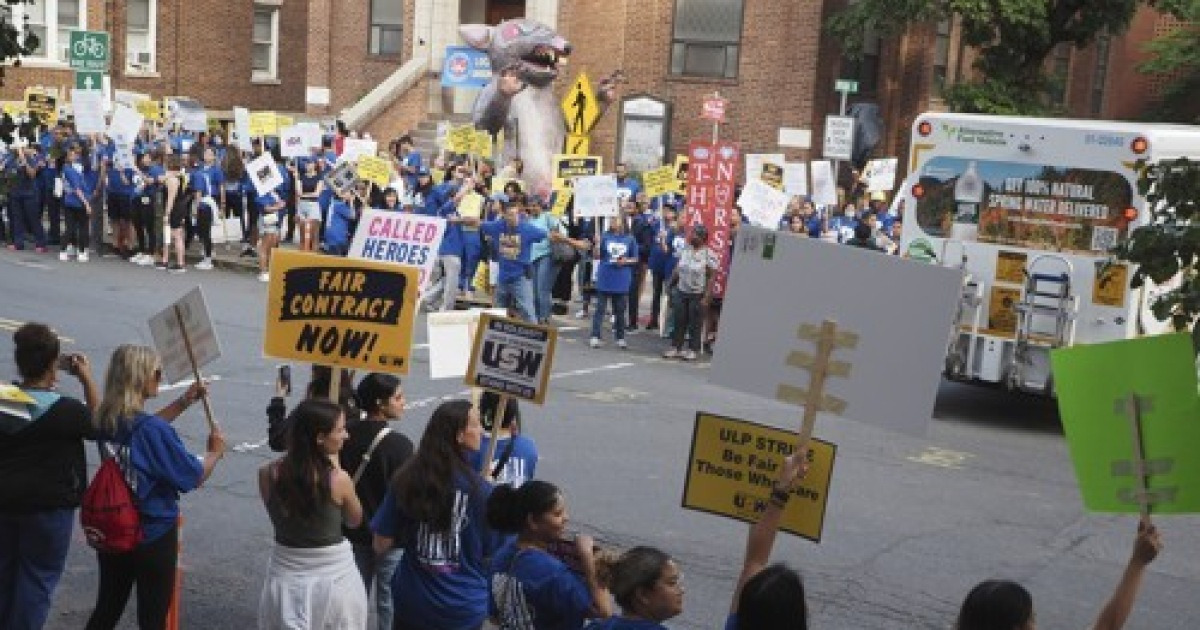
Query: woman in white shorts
x=308, y=210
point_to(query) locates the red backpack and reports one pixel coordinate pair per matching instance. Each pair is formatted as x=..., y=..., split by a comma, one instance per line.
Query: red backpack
x=109, y=512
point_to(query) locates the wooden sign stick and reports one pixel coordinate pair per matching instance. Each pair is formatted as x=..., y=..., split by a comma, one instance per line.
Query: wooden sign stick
x=501, y=410
x=1133, y=406
x=335, y=384
x=816, y=385
x=187, y=343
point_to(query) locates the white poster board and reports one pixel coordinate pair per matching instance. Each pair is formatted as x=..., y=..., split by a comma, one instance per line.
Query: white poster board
x=264, y=174
x=88, y=108
x=292, y=142
x=824, y=188
x=894, y=370
x=123, y=129
x=795, y=179
x=881, y=174
x=241, y=128
x=762, y=205
x=169, y=339
x=450, y=340
x=312, y=134
x=352, y=148
x=403, y=238
x=755, y=161
x=597, y=196
x=839, y=138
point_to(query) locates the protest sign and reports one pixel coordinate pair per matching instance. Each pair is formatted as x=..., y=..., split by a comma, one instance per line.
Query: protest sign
x=14, y=403
x=88, y=108
x=471, y=206
x=353, y=148
x=264, y=174
x=241, y=128
x=562, y=199
x=712, y=178
x=374, y=169
x=596, y=196
x=481, y=144
x=312, y=134
x=498, y=184
x=568, y=167
x=681, y=173
x=732, y=467
x=282, y=121
x=293, y=142
x=186, y=341
x=402, y=238
x=150, y=110
x=795, y=179
x=763, y=205
x=263, y=124
x=772, y=175
x=824, y=188
x=450, y=336
x=512, y=358
x=1140, y=457
x=760, y=318
x=342, y=312
x=126, y=124
x=43, y=104
x=756, y=161
x=461, y=139
x=660, y=181
x=881, y=175
x=341, y=178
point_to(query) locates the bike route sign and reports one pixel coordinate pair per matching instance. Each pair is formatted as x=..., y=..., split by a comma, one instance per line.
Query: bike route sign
x=89, y=51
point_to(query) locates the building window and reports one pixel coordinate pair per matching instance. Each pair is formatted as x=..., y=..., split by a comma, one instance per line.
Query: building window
x=265, y=58
x=1059, y=74
x=52, y=22
x=941, y=57
x=707, y=38
x=1100, y=75
x=865, y=69
x=387, y=27
x=140, y=30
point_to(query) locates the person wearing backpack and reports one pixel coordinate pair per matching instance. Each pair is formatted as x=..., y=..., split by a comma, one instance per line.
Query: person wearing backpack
x=161, y=468
x=42, y=471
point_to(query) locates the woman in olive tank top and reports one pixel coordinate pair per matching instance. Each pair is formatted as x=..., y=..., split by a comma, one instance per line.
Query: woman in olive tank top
x=308, y=497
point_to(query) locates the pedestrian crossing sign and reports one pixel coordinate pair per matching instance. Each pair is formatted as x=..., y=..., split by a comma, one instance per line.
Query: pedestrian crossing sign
x=580, y=107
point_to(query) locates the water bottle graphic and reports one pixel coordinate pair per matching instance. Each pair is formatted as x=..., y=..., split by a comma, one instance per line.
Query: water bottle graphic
x=969, y=188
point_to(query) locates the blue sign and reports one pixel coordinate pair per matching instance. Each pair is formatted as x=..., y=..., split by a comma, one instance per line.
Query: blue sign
x=466, y=67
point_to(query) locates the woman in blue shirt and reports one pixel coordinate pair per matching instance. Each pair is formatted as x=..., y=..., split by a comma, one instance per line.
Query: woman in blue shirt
x=77, y=205
x=617, y=256
x=162, y=468
x=530, y=586
x=648, y=586
x=435, y=509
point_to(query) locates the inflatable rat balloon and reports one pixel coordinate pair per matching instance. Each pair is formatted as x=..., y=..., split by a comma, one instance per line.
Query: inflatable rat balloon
x=526, y=57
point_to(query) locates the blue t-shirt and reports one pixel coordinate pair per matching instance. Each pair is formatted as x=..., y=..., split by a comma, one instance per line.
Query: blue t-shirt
x=611, y=277
x=207, y=180
x=120, y=181
x=731, y=622
x=74, y=183
x=441, y=581
x=164, y=469
x=662, y=251
x=530, y=584
x=520, y=466
x=621, y=623
x=24, y=184
x=413, y=161
x=511, y=246
x=337, y=229
x=547, y=221
x=452, y=239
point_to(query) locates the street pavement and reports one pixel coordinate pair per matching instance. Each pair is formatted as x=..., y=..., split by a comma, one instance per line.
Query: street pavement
x=911, y=524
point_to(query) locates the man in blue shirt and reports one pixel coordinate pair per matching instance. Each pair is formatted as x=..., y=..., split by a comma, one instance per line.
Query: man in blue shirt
x=24, y=199
x=512, y=237
x=410, y=161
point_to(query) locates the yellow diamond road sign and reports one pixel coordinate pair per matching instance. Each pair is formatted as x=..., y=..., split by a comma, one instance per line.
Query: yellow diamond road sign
x=580, y=107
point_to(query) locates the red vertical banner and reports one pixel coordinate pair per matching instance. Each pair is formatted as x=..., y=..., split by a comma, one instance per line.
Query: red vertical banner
x=700, y=191
x=726, y=158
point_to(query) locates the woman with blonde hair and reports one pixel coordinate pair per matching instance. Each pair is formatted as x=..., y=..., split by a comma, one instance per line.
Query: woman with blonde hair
x=159, y=468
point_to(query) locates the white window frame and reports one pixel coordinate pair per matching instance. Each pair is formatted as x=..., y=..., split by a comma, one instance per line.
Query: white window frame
x=151, y=39
x=375, y=47
x=51, y=41
x=272, y=72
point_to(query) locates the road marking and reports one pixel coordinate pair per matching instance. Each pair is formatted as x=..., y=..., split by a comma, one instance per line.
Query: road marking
x=585, y=371
x=246, y=447
x=188, y=383
x=614, y=395
x=12, y=325
x=32, y=265
x=941, y=457
x=432, y=400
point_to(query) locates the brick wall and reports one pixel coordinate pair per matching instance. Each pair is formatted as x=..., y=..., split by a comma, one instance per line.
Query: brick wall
x=403, y=115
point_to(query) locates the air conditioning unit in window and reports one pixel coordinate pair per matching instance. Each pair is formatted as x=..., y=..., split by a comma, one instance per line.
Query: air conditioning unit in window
x=138, y=59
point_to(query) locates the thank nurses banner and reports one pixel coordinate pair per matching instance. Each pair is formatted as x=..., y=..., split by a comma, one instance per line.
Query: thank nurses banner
x=712, y=175
x=406, y=239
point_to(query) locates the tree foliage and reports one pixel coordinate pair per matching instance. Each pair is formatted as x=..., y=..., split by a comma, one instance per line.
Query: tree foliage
x=1177, y=54
x=16, y=40
x=1013, y=37
x=1168, y=249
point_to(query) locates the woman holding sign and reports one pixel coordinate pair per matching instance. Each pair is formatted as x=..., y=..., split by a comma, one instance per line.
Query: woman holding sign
x=436, y=510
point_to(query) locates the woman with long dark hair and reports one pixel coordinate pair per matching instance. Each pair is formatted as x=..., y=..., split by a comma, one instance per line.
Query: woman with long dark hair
x=436, y=511
x=309, y=497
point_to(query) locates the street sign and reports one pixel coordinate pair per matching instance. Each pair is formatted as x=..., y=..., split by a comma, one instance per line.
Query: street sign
x=89, y=51
x=839, y=137
x=88, y=80
x=580, y=107
x=578, y=145
x=713, y=109
x=846, y=85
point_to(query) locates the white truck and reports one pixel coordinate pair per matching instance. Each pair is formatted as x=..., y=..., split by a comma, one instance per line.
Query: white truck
x=1029, y=208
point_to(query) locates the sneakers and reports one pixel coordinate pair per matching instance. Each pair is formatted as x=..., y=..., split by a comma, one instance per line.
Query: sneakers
x=146, y=260
x=40, y=250
x=82, y=257
x=688, y=355
x=595, y=342
x=671, y=353
x=158, y=264
x=67, y=254
x=582, y=314
x=205, y=264
x=175, y=268
x=264, y=276
x=622, y=345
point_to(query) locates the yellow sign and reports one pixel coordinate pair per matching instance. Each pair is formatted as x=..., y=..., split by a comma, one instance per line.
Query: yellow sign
x=151, y=110
x=577, y=145
x=562, y=199
x=681, y=173
x=1002, y=311
x=498, y=184
x=374, y=169
x=341, y=312
x=461, y=139
x=283, y=122
x=471, y=206
x=263, y=124
x=481, y=144
x=15, y=109
x=772, y=174
x=437, y=175
x=215, y=125
x=568, y=167
x=734, y=463
x=43, y=105
x=1111, y=283
x=580, y=107
x=1010, y=267
x=659, y=181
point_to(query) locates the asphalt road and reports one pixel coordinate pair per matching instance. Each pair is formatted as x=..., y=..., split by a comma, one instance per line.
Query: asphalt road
x=911, y=524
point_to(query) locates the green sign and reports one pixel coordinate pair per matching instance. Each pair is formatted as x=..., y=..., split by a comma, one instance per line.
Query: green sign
x=845, y=85
x=89, y=51
x=1132, y=418
x=89, y=80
